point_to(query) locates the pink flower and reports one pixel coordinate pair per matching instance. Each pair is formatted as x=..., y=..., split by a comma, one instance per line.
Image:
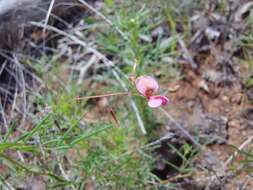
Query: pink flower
x=147, y=86
x=157, y=101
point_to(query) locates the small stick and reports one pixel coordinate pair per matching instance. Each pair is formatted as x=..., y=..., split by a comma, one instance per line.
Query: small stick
x=46, y=21
x=114, y=117
x=103, y=95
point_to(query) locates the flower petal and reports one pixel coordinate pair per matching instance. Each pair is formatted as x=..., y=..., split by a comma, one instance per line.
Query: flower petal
x=154, y=103
x=157, y=101
x=146, y=85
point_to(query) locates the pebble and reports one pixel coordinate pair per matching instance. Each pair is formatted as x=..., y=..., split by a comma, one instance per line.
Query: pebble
x=203, y=85
x=237, y=98
x=234, y=123
x=224, y=98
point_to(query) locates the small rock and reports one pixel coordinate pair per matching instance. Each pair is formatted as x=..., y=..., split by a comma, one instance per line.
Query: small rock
x=210, y=127
x=211, y=161
x=237, y=98
x=203, y=85
x=212, y=34
x=224, y=98
x=234, y=124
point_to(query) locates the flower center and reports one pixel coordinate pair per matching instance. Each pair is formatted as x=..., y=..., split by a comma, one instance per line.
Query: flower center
x=149, y=92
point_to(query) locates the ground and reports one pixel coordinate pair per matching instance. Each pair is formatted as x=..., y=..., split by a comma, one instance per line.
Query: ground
x=201, y=55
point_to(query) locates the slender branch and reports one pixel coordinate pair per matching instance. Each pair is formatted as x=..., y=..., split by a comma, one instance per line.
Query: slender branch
x=48, y=15
x=103, y=95
x=46, y=21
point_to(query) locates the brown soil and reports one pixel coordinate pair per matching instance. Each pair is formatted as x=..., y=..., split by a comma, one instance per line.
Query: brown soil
x=196, y=96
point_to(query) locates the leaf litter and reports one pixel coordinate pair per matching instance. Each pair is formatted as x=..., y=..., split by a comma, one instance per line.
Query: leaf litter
x=209, y=100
